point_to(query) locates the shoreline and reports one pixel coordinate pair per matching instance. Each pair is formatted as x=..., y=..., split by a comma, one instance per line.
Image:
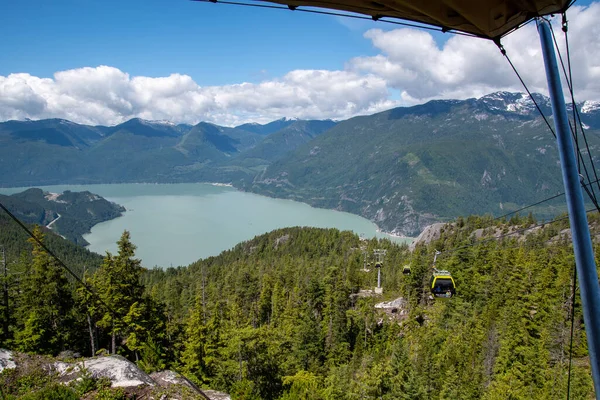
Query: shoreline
x=394, y=235
x=378, y=230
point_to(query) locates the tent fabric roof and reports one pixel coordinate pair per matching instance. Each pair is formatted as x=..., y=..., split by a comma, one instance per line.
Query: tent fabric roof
x=490, y=19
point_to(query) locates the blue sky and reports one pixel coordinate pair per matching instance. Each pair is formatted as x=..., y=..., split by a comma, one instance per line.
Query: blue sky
x=215, y=44
x=200, y=54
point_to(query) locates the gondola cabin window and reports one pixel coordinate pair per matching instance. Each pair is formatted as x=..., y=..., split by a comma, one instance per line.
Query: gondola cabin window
x=442, y=284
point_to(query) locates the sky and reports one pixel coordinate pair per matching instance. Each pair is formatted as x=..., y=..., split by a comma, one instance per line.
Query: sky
x=104, y=62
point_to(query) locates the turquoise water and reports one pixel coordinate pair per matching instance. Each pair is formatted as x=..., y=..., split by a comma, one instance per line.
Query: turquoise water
x=176, y=224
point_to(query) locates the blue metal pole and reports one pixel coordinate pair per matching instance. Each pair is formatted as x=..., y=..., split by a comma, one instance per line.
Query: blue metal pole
x=582, y=243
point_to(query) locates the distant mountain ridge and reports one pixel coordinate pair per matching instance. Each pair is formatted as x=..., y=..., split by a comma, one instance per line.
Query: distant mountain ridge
x=56, y=151
x=267, y=129
x=403, y=168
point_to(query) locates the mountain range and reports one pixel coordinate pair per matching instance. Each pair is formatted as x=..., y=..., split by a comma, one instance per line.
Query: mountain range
x=402, y=168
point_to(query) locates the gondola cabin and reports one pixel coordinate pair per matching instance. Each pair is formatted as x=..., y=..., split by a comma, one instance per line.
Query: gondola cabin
x=442, y=284
x=406, y=270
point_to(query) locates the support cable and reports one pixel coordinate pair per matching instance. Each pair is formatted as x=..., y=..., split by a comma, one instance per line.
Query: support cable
x=576, y=115
x=58, y=260
x=591, y=196
x=503, y=51
x=511, y=233
x=576, y=118
x=88, y=289
x=542, y=201
x=338, y=14
x=568, y=79
x=529, y=206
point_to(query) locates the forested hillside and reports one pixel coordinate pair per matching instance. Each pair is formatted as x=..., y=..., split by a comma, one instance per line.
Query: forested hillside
x=276, y=317
x=70, y=214
x=14, y=240
x=408, y=167
x=282, y=316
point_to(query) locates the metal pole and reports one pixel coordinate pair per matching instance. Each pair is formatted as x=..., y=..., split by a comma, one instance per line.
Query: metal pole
x=582, y=243
x=5, y=292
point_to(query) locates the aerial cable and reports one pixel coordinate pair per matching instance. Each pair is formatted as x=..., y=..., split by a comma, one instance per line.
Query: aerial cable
x=569, y=79
x=591, y=196
x=338, y=14
x=503, y=51
x=58, y=260
x=576, y=117
x=529, y=206
x=495, y=238
x=87, y=288
x=542, y=201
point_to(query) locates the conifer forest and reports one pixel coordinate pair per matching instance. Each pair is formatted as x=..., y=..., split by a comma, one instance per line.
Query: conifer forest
x=290, y=314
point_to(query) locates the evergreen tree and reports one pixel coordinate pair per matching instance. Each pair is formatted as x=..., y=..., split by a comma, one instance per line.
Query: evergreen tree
x=119, y=286
x=46, y=305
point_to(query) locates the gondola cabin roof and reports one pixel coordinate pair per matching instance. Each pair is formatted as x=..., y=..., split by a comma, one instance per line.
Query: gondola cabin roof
x=489, y=19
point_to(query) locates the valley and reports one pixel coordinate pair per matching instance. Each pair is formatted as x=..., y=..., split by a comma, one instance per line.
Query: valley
x=403, y=169
x=293, y=312
x=177, y=224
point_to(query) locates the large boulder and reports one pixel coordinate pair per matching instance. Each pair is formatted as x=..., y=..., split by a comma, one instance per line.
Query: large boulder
x=429, y=234
x=6, y=360
x=120, y=371
x=168, y=378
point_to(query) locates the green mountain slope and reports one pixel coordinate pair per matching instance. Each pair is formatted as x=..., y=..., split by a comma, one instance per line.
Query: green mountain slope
x=53, y=131
x=279, y=144
x=266, y=129
x=408, y=167
x=70, y=214
x=283, y=314
x=56, y=151
x=14, y=240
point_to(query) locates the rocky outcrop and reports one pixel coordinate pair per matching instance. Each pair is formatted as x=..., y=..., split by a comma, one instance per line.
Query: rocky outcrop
x=396, y=309
x=169, y=378
x=429, y=234
x=6, y=360
x=121, y=372
x=214, y=395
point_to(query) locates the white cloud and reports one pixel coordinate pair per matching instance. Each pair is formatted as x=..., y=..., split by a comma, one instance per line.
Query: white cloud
x=107, y=95
x=410, y=63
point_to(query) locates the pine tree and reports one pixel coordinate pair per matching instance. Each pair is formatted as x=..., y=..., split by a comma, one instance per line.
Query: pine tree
x=118, y=284
x=46, y=304
x=146, y=332
x=194, y=353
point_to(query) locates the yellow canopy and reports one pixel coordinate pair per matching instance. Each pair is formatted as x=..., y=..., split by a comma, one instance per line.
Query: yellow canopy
x=490, y=19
